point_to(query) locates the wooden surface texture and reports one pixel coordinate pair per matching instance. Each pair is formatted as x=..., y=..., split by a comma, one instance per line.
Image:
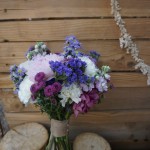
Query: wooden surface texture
x=123, y=117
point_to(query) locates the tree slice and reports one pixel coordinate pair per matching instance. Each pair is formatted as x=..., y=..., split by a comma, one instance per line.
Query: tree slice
x=90, y=141
x=3, y=122
x=29, y=136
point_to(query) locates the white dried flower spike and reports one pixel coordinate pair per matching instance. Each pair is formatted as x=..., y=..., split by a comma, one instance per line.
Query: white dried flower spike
x=127, y=42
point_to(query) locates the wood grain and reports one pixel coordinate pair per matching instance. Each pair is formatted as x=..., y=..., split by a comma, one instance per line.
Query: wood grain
x=92, y=118
x=116, y=126
x=130, y=145
x=24, y=9
x=115, y=99
x=52, y=30
x=111, y=54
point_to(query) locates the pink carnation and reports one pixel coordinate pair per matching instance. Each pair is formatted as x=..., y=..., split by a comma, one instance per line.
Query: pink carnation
x=41, y=64
x=88, y=99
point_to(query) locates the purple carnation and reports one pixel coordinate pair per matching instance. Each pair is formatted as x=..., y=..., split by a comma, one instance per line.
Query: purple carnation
x=39, y=76
x=48, y=91
x=56, y=87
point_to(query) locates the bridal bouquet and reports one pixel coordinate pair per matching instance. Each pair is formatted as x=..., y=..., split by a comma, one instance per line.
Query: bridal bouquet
x=61, y=84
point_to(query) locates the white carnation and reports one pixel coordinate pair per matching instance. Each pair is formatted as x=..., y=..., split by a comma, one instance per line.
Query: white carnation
x=24, y=93
x=72, y=92
x=91, y=68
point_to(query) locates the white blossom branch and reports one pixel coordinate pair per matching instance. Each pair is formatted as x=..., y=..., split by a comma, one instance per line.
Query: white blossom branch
x=126, y=41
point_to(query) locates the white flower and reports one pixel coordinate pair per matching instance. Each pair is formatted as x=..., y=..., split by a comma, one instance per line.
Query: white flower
x=91, y=68
x=86, y=87
x=24, y=92
x=72, y=92
x=101, y=85
x=43, y=46
x=24, y=65
x=107, y=76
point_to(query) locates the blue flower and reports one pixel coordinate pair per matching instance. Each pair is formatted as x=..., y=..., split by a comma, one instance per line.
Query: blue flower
x=94, y=55
x=73, y=42
x=72, y=45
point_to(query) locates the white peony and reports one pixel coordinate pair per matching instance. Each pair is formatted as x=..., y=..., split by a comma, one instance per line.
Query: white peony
x=72, y=92
x=24, y=65
x=24, y=92
x=91, y=68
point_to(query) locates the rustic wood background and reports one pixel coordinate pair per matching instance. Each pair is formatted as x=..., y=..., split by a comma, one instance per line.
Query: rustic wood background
x=123, y=118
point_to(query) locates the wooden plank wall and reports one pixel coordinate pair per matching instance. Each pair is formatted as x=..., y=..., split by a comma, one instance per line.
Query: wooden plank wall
x=123, y=118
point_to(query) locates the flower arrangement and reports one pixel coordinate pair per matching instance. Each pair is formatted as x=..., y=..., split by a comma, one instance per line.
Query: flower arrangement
x=61, y=84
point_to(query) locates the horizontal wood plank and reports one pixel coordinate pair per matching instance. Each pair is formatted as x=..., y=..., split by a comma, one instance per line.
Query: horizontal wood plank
x=91, y=118
x=101, y=120
x=52, y=30
x=118, y=79
x=111, y=54
x=24, y=9
x=130, y=145
x=115, y=99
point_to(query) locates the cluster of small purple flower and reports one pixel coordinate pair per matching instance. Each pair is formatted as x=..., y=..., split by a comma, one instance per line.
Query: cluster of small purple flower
x=72, y=71
x=72, y=45
x=50, y=88
x=17, y=75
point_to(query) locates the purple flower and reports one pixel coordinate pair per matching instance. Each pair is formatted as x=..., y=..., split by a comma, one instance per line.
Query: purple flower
x=40, y=85
x=94, y=55
x=53, y=101
x=88, y=99
x=50, y=82
x=34, y=88
x=56, y=87
x=33, y=97
x=73, y=42
x=48, y=91
x=39, y=76
x=29, y=50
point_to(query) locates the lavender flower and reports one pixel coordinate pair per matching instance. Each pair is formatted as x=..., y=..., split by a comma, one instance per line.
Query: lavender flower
x=94, y=55
x=71, y=48
x=71, y=71
x=73, y=42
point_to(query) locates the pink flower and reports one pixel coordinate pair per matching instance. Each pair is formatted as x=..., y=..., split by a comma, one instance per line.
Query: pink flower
x=88, y=99
x=41, y=64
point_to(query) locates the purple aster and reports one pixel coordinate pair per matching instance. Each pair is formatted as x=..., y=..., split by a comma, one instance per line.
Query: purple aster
x=20, y=71
x=34, y=88
x=56, y=87
x=48, y=91
x=39, y=76
x=41, y=85
x=13, y=68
